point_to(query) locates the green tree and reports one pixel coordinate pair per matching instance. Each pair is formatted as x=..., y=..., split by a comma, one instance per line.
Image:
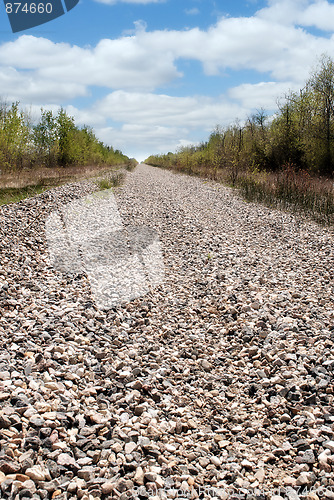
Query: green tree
x=45, y=137
x=14, y=135
x=65, y=131
x=321, y=85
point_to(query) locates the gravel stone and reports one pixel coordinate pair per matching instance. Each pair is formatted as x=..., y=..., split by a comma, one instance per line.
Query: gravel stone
x=220, y=376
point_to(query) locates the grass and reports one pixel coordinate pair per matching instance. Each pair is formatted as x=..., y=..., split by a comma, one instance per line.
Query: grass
x=104, y=184
x=289, y=189
x=13, y=195
x=16, y=186
x=131, y=165
x=112, y=180
x=32, y=177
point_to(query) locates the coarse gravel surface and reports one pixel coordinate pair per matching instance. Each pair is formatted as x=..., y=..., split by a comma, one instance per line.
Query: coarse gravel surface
x=216, y=384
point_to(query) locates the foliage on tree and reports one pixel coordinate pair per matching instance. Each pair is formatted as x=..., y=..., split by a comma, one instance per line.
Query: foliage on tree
x=14, y=135
x=54, y=141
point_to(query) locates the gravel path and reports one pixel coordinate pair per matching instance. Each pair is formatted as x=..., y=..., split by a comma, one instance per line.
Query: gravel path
x=217, y=384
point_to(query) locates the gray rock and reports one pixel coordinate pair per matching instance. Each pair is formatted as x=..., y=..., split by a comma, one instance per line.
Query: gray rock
x=219, y=376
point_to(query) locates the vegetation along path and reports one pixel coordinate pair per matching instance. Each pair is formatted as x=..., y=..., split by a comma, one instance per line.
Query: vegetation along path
x=218, y=383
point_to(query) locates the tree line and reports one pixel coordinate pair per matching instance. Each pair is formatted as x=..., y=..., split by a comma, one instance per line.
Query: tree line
x=54, y=141
x=299, y=136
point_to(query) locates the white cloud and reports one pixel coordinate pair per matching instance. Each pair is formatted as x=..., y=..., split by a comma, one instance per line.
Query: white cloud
x=134, y=67
x=35, y=89
x=132, y=139
x=148, y=60
x=317, y=13
x=140, y=140
x=120, y=63
x=161, y=110
x=283, y=12
x=320, y=15
x=156, y=123
x=261, y=95
x=249, y=43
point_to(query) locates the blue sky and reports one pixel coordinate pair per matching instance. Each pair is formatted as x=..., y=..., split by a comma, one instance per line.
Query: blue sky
x=151, y=76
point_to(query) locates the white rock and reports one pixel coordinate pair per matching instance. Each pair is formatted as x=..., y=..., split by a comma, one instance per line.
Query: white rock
x=36, y=473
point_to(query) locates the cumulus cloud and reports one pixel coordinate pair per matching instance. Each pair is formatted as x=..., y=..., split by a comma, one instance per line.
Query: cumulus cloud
x=283, y=12
x=156, y=122
x=148, y=60
x=35, y=89
x=261, y=95
x=120, y=63
x=161, y=110
x=249, y=43
x=133, y=139
x=318, y=13
x=133, y=69
x=143, y=123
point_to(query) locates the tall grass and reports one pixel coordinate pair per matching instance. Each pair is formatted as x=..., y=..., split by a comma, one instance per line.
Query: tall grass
x=28, y=183
x=21, y=178
x=13, y=195
x=291, y=189
x=287, y=188
x=131, y=165
x=114, y=179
